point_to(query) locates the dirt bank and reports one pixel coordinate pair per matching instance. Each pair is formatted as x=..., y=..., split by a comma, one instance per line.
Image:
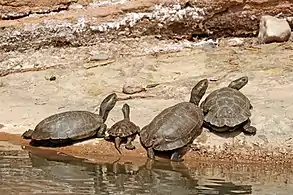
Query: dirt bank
x=39, y=24
x=99, y=150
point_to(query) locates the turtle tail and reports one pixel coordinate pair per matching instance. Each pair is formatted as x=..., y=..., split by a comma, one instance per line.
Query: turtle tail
x=27, y=134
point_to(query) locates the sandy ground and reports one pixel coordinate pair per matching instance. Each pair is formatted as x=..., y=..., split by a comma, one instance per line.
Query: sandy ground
x=26, y=98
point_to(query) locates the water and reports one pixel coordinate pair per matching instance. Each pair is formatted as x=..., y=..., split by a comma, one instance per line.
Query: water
x=27, y=172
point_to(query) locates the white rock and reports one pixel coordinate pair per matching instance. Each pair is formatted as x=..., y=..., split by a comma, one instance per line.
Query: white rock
x=235, y=41
x=272, y=29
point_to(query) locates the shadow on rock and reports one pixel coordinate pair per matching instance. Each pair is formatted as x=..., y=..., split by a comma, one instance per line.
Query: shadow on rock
x=227, y=134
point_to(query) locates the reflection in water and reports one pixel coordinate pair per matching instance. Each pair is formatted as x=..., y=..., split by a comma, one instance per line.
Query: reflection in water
x=32, y=173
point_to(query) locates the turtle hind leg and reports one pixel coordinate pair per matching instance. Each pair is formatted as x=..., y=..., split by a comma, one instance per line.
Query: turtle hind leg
x=151, y=153
x=129, y=145
x=179, y=153
x=248, y=129
x=101, y=132
x=117, y=144
x=27, y=134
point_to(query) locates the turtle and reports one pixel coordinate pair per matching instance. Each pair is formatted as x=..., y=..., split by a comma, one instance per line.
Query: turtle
x=123, y=130
x=71, y=126
x=227, y=109
x=174, y=129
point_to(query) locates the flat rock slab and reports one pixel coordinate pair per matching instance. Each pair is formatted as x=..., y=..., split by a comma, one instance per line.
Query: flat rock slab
x=29, y=97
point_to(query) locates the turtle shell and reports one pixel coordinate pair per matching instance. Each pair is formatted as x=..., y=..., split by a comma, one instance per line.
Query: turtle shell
x=73, y=125
x=173, y=128
x=226, y=107
x=123, y=128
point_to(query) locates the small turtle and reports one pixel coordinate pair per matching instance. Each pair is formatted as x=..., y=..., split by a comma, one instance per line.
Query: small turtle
x=175, y=128
x=227, y=109
x=123, y=130
x=67, y=127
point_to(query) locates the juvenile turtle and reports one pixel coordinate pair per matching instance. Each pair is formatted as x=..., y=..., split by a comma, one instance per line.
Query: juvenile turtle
x=67, y=127
x=227, y=109
x=175, y=128
x=123, y=130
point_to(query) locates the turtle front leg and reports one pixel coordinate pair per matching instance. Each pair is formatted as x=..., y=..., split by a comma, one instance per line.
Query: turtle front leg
x=151, y=153
x=101, y=131
x=129, y=145
x=27, y=134
x=117, y=144
x=107, y=137
x=248, y=129
x=179, y=153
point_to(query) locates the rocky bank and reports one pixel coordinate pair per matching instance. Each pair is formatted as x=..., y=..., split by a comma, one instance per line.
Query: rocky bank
x=37, y=24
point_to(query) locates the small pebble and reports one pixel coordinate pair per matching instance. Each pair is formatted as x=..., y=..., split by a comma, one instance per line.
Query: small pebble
x=132, y=89
x=152, y=85
x=213, y=79
x=99, y=57
x=51, y=78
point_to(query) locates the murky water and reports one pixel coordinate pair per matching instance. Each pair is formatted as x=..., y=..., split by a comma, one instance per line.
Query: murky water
x=25, y=172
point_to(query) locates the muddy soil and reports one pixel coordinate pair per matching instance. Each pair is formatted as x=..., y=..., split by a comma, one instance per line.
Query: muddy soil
x=81, y=83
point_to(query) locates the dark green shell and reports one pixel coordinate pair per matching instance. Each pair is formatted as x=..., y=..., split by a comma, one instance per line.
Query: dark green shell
x=226, y=107
x=173, y=128
x=72, y=124
x=123, y=128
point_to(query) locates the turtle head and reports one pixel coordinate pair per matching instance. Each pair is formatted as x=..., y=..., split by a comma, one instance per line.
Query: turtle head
x=198, y=91
x=126, y=111
x=107, y=105
x=238, y=83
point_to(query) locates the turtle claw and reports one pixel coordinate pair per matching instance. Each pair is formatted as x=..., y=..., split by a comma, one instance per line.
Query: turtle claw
x=249, y=130
x=176, y=157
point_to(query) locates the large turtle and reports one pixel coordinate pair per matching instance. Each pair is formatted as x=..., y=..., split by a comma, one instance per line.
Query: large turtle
x=123, y=130
x=175, y=128
x=67, y=127
x=227, y=109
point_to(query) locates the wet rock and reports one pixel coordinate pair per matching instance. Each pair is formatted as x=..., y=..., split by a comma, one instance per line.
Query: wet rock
x=272, y=29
